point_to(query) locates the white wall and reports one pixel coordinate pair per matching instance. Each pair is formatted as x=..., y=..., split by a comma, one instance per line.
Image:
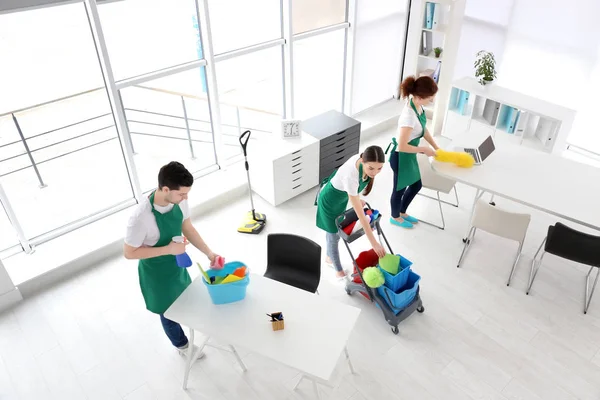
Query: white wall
x=548, y=49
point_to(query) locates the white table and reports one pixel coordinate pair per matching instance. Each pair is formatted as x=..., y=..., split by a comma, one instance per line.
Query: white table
x=315, y=334
x=545, y=182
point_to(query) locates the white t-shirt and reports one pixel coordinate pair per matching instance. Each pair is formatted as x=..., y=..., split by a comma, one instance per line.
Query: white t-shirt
x=346, y=177
x=408, y=118
x=142, y=229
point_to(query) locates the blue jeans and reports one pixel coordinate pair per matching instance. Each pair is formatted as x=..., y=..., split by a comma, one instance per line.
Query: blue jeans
x=174, y=332
x=333, y=250
x=402, y=198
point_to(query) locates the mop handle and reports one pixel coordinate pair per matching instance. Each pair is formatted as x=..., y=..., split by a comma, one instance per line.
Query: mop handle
x=244, y=137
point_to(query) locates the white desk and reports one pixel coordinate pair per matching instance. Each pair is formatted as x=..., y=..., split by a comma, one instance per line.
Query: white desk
x=315, y=334
x=546, y=182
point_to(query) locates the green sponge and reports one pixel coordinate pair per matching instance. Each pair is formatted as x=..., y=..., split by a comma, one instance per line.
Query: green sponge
x=373, y=277
x=390, y=263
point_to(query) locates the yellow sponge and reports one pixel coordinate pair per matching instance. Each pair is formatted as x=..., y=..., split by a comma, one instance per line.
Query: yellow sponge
x=464, y=160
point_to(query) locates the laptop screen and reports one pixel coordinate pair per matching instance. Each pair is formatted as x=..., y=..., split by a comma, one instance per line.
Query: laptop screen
x=486, y=148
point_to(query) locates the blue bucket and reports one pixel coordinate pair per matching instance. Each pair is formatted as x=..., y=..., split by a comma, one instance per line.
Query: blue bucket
x=395, y=282
x=227, y=292
x=400, y=299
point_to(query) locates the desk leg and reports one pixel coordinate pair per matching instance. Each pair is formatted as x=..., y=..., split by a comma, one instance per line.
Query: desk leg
x=299, y=381
x=316, y=390
x=190, y=357
x=349, y=361
x=239, y=359
x=315, y=382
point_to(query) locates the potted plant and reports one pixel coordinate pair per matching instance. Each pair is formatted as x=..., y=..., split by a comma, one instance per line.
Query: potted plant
x=437, y=51
x=485, y=67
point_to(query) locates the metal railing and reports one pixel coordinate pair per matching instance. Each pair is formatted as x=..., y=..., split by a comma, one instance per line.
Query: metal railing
x=185, y=123
x=186, y=120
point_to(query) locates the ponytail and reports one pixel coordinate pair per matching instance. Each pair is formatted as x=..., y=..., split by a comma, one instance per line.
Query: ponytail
x=422, y=87
x=372, y=154
x=369, y=187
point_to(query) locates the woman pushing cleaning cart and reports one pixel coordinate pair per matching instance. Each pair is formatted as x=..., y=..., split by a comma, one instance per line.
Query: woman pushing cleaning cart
x=356, y=175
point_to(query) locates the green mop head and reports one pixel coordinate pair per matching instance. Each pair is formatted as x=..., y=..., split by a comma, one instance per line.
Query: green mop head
x=373, y=277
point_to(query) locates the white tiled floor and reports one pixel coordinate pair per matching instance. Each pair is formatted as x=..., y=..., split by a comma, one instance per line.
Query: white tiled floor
x=91, y=337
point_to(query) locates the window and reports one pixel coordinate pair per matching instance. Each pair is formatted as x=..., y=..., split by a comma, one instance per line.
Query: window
x=146, y=35
x=169, y=120
x=252, y=22
x=379, y=48
x=251, y=89
x=78, y=155
x=46, y=54
x=73, y=142
x=318, y=74
x=308, y=15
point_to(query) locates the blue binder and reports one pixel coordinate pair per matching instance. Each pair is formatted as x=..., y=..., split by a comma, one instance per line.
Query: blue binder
x=508, y=119
x=454, y=96
x=429, y=10
x=463, y=100
x=514, y=121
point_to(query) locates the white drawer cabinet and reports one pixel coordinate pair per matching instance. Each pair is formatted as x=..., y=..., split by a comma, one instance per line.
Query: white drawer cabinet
x=282, y=169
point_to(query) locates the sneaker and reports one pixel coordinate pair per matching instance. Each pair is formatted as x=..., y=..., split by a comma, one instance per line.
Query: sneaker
x=340, y=276
x=183, y=351
x=404, y=224
x=410, y=219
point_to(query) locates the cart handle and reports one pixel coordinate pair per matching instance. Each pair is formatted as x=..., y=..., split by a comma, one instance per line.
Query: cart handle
x=244, y=138
x=340, y=218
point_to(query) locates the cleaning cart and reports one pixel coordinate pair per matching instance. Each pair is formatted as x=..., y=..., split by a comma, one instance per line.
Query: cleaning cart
x=395, y=307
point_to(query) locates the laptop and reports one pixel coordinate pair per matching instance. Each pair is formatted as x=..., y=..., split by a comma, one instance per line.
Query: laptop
x=481, y=152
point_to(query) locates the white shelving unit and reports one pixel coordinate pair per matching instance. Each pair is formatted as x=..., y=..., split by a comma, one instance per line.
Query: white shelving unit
x=508, y=116
x=442, y=31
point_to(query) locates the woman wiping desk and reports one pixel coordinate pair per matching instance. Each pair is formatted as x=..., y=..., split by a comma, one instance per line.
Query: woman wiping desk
x=403, y=160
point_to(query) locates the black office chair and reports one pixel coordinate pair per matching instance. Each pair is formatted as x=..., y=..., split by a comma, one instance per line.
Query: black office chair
x=572, y=245
x=294, y=260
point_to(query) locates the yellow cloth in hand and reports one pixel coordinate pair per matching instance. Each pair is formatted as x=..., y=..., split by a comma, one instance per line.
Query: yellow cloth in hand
x=461, y=159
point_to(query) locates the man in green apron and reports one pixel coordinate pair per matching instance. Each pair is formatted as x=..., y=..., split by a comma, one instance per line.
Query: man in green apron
x=403, y=159
x=150, y=231
x=356, y=175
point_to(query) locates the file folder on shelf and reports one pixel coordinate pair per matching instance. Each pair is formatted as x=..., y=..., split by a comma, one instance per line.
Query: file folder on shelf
x=521, y=123
x=463, y=102
x=435, y=21
x=436, y=73
x=429, y=9
x=490, y=111
x=427, y=44
x=508, y=118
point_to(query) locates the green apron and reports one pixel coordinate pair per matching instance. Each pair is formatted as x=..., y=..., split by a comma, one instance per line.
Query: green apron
x=161, y=280
x=333, y=202
x=408, y=167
